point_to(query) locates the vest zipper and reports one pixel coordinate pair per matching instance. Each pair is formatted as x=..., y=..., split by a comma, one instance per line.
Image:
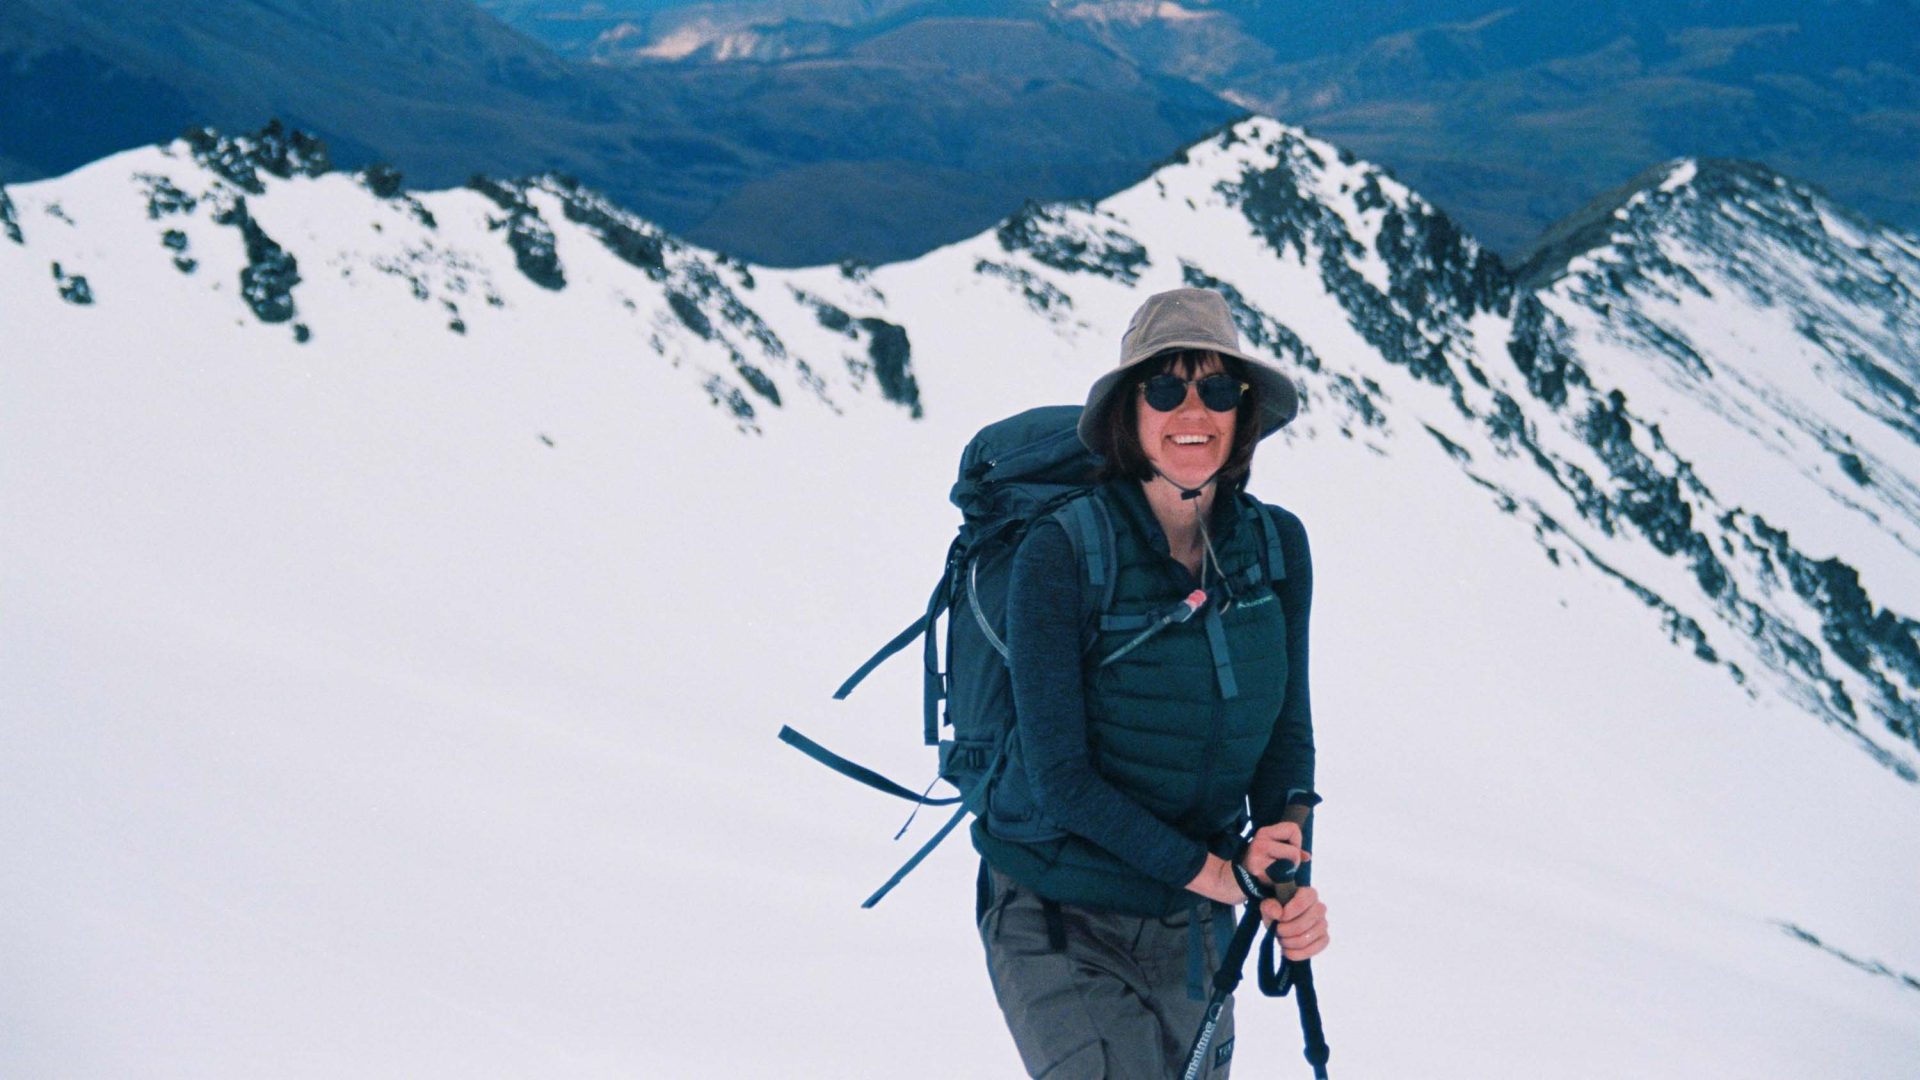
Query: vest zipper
x=1216, y=724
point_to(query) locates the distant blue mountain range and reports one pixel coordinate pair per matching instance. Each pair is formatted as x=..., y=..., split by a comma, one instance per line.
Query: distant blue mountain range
x=807, y=131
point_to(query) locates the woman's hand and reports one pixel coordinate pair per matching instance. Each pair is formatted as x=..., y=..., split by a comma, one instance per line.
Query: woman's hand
x=1278, y=841
x=1215, y=882
x=1301, y=923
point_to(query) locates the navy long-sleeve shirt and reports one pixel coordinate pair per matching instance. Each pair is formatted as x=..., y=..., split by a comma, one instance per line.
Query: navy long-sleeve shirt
x=1044, y=641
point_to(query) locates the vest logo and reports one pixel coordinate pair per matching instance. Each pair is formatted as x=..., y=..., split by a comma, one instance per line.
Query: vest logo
x=1266, y=598
x=1224, y=1054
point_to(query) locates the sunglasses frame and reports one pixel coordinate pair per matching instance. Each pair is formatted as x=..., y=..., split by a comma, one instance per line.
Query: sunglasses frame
x=1240, y=386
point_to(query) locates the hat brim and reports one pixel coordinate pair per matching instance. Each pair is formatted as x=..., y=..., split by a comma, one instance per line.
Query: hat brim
x=1279, y=401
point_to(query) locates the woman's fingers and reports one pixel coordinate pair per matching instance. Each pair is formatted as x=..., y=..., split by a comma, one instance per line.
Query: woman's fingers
x=1301, y=923
x=1266, y=849
x=1304, y=903
x=1304, y=944
x=1276, y=849
x=1299, y=932
x=1304, y=948
x=1287, y=832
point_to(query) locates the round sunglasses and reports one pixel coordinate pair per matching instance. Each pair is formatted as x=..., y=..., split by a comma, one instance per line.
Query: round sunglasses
x=1218, y=392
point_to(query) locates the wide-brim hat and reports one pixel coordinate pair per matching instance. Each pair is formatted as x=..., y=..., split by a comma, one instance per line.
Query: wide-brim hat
x=1189, y=319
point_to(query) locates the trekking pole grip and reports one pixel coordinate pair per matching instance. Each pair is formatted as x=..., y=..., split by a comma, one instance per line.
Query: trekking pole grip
x=1300, y=978
x=1280, y=871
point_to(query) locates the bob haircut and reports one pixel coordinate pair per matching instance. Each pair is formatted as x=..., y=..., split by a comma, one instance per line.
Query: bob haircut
x=1118, y=441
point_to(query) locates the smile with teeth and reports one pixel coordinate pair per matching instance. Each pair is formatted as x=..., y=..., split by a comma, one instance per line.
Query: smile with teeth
x=1190, y=440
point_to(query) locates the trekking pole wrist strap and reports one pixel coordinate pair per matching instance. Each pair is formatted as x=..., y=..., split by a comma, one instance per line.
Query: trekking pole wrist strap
x=1251, y=887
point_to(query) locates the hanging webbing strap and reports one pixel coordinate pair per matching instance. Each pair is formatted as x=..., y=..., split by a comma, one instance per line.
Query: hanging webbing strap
x=933, y=682
x=1196, y=953
x=856, y=771
x=907, y=868
x=1198, y=922
x=1222, y=928
x=966, y=801
x=899, y=642
x=1056, y=924
x=936, y=603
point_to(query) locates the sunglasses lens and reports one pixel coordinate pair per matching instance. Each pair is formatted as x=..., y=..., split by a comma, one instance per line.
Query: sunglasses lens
x=1219, y=392
x=1166, y=392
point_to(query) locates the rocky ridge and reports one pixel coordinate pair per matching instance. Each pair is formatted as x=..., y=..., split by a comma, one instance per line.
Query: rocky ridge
x=1578, y=396
x=1552, y=436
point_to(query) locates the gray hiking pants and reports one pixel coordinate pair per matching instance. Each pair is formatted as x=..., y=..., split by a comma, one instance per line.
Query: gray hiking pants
x=1113, y=1003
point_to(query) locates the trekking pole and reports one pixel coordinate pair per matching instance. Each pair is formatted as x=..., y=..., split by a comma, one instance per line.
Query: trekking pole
x=1299, y=973
x=1316, y=1050
x=1225, y=981
x=1227, y=978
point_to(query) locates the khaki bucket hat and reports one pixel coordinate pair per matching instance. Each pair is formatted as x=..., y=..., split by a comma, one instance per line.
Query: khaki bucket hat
x=1189, y=319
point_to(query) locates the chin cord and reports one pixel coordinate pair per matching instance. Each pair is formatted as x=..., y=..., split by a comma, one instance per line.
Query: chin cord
x=1209, y=557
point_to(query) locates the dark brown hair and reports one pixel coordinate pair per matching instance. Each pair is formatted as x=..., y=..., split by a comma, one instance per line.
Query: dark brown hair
x=1117, y=439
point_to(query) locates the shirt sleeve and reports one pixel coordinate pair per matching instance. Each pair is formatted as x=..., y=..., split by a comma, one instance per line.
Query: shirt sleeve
x=1043, y=642
x=1287, y=763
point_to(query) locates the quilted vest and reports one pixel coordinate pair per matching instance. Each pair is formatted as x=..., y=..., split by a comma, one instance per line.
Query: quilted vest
x=1177, y=723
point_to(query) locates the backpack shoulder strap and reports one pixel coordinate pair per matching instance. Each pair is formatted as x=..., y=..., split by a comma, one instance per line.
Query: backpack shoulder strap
x=1089, y=528
x=1271, y=553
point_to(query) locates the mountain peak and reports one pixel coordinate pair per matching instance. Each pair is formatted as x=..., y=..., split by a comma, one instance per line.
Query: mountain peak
x=1672, y=196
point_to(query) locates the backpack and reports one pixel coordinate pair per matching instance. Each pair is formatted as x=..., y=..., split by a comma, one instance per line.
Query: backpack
x=1014, y=473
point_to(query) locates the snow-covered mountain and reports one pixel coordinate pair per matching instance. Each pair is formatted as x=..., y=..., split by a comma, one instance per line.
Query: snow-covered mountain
x=406, y=585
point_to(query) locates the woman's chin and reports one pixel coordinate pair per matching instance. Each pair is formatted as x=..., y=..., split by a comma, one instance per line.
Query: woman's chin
x=1187, y=477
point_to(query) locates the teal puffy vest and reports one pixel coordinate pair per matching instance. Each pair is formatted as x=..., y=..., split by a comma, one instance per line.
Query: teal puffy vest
x=1178, y=723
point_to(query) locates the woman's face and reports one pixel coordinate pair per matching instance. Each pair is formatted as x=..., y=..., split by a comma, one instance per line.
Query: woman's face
x=1191, y=443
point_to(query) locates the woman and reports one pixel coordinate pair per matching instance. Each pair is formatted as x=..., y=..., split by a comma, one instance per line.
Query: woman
x=1101, y=924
